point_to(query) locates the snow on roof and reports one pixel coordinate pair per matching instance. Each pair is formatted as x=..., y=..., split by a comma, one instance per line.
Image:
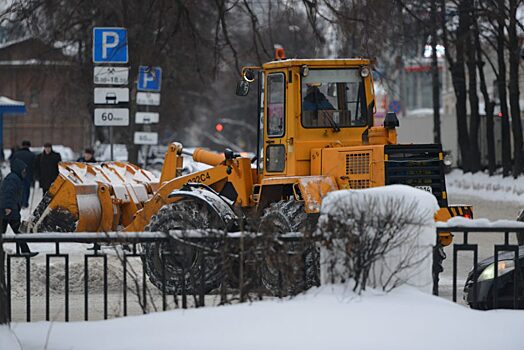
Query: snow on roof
x=14, y=42
x=34, y=62
x=67, y=48
x=6, y=101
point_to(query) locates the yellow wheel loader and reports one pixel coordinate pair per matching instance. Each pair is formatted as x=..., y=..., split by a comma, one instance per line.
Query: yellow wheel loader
x=316, y=134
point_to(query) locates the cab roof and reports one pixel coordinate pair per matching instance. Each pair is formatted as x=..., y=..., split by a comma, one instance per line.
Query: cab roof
x=324, y=62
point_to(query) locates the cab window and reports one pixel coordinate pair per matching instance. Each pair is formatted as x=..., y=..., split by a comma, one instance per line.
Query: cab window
x=333, y=98
x=276, y=91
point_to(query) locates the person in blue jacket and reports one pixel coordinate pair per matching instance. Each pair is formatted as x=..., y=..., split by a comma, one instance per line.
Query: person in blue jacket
x=24, y=154
x=11, y=191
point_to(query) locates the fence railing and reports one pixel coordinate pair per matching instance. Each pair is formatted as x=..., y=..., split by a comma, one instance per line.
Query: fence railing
x=236, y=264
x=221, y=269
x=495, y=280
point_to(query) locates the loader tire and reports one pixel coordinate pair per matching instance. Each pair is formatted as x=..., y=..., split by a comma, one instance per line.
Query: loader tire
x=289, y=267
x=183, y=263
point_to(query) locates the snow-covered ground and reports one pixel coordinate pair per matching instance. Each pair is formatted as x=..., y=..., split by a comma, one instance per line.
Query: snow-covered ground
x=329, y=317
x=491, y=188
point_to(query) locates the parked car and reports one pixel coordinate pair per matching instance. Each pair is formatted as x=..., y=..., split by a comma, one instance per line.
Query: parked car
x=484, y=281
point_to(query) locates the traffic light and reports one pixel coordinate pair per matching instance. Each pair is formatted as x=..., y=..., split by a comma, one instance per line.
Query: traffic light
x=219, y=127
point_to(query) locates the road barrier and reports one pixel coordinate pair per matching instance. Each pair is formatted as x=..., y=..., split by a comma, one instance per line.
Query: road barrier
x=235, y=262
x=487, y=287
x=241, y=267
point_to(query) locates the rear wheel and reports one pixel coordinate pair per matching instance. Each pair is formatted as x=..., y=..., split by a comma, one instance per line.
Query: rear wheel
x=184, y=263
x=289, y=267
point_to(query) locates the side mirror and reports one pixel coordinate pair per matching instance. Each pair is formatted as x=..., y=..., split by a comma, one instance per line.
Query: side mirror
x=248, y=75
x=242, y=88
x=391, y=120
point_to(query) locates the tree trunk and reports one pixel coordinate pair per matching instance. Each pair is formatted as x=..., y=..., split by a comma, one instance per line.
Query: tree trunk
x=489, y=105
x=474, y=121
x=435, y=75
x=514, y=92
x=458, y=75
x=501, y=84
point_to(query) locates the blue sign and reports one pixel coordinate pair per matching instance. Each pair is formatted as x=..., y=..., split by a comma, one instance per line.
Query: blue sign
x=110, y=45
x=394, y=106
x=149, y=78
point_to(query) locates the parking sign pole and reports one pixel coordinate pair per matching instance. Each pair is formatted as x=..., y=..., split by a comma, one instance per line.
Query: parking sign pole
x=149, y=84
x=111, y=141
x=110, y=48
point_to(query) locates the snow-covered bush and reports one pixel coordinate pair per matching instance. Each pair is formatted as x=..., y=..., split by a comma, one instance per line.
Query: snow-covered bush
x=380, y=237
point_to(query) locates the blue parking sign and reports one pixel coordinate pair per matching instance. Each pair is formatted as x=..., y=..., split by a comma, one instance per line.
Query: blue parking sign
x=110, y=45
x=149, y=78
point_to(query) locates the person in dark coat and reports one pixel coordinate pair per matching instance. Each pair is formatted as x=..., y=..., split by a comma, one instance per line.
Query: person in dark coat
x=11, y=191
x=88, y=157
x=47, y=167
x=24, y=154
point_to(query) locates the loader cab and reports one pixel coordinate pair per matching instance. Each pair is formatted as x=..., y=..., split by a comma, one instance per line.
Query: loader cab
x=310, y=104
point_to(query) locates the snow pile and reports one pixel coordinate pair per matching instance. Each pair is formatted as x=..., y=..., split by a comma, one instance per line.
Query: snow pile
x=482, y=223
x=329, y=317
x=382, y=237
x=495, y=188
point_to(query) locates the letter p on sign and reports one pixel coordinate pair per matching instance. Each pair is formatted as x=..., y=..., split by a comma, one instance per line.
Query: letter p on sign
x=110, y=45
x=149, y=78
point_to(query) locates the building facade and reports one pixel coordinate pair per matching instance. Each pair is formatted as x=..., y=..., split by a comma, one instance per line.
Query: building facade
x=47, y=81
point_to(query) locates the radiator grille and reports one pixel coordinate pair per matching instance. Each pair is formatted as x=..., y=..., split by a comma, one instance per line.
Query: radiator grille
x=417, y=165
x=357, y=163
x=358, y=184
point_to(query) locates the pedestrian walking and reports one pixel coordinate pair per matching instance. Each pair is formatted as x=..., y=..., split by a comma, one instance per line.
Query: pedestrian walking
x=88, y=157
x=25, y=155
x=46, y=167
x=11, y=191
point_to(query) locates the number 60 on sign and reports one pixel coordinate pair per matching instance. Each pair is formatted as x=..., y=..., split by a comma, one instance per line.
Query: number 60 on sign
x=111, y=117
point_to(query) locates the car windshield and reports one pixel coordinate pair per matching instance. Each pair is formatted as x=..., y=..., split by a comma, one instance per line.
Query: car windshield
x=333, y=98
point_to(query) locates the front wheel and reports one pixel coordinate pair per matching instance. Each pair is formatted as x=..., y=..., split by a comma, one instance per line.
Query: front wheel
x=291, y=266
x=183, y=267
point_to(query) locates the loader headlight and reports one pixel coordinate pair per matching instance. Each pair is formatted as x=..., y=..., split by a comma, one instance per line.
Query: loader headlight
x=304, y=71
x=364, y=72
x=504, y=267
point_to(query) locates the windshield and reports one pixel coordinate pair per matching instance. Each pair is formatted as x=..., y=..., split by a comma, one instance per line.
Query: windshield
x=333, y=98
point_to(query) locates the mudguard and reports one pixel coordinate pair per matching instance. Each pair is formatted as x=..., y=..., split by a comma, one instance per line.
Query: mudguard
x=222, y=206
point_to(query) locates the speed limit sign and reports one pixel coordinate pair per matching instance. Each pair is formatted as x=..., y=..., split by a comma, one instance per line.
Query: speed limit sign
x=111, y=116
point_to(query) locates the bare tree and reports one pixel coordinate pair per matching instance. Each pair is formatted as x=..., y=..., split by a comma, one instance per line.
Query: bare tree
x=374, y=242
x=514, y=90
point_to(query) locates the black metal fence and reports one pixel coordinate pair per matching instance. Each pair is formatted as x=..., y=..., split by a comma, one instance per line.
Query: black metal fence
x=237, y=265
x=496, y=280
x=231, y=268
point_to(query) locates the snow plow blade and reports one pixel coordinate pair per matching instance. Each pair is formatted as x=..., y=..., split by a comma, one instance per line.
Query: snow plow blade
x=92, y=197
